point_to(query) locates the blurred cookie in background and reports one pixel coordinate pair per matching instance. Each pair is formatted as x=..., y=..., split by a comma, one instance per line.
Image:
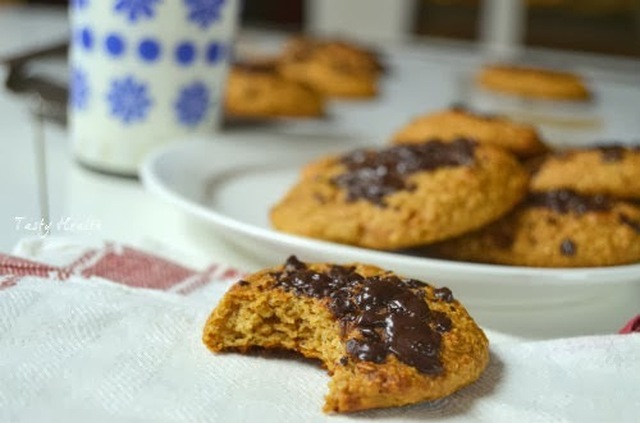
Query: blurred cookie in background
x=334, y=67
x=533, y=82
x=520, y=139
x=255, y=89
x=560, y=104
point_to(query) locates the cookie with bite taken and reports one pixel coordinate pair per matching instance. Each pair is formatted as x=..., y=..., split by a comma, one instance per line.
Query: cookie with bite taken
x=385, y=340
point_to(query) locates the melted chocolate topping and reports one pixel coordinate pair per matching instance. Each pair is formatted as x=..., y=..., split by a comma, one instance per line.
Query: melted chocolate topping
x=568, y=201
x=389, y=314
x=372, y=175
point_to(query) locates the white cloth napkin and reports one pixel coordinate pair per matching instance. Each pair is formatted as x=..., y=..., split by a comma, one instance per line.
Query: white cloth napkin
x=89, y=350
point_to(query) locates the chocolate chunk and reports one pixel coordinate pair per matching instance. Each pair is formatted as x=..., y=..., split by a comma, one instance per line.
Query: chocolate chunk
x=615, y=152
x=502, y=238
x=412, y=283
x=442, y=323
x=568, y=247
x=612, y=153
x=293, y=263
x=372, y=175
x=443, y=294
x=384, y=314
x=567, y=201
x=243, y=283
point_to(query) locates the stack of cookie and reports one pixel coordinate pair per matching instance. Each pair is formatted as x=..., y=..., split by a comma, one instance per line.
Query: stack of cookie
x=454, y=185
x=582, y=212
x=297, y=82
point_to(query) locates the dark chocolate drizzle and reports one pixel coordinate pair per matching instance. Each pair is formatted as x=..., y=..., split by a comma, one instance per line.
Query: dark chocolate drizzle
x=567, y=201
x=387, y=314
x=372, y=175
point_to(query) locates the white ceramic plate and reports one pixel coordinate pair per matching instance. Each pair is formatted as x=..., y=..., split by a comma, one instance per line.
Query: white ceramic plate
x=232, y=181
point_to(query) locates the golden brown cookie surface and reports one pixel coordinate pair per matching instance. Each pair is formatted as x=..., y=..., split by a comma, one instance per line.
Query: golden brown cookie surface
x=520, y=139
x=611, y=170
x=402, y=196
x=533, y=82
x=554, y=229
x=386, y=340
x=257, y=90
x=335, y=68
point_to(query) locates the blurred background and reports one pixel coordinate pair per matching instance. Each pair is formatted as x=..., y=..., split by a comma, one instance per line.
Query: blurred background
x=609, y=27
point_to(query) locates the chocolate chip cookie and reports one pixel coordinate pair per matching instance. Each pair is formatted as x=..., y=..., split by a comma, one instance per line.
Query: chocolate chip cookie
x=402, y=196
x=386, y=340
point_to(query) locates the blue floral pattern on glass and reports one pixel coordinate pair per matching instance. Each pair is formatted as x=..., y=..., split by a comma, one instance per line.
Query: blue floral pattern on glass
x=129, y=99
x=192, y=104
x=135, y=10
x=204, y=12
x=79, y=95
